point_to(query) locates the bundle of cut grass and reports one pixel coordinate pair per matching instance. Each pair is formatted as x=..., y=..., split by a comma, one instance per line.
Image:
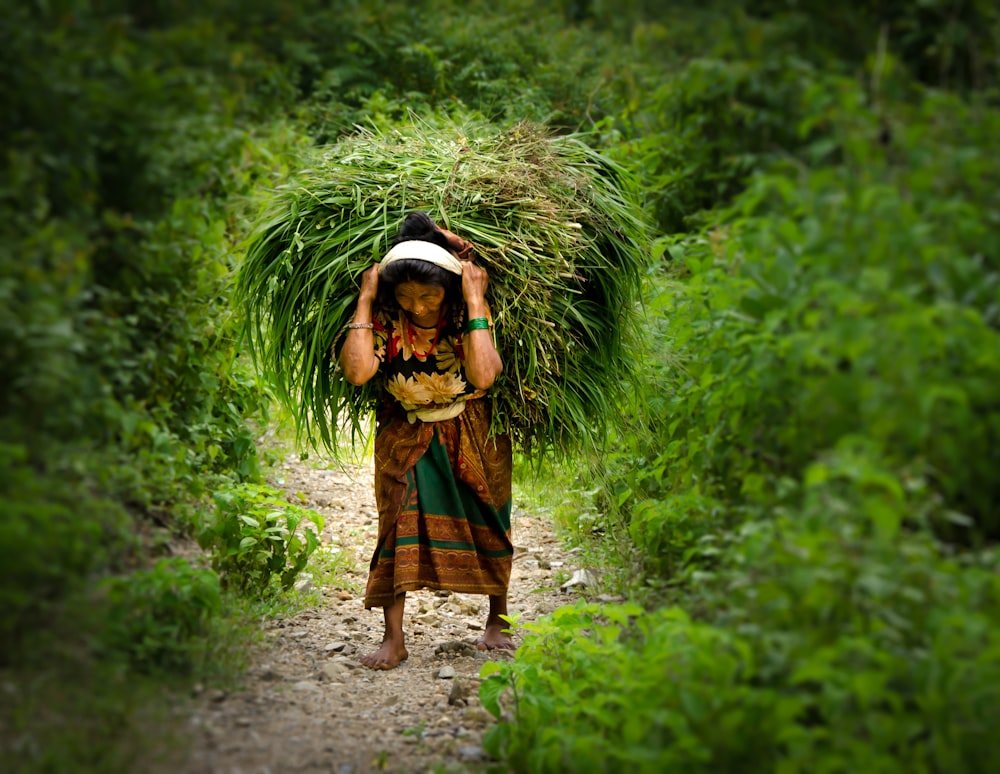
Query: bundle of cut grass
x=554, y=223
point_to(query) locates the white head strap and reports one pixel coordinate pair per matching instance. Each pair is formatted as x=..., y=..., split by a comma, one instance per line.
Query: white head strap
x=419, y=250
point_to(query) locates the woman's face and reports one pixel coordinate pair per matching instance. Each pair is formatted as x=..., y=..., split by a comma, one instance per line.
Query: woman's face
x=422, y=303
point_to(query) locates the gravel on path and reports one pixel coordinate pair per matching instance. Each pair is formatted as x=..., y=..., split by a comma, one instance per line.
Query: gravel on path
x=306, y=705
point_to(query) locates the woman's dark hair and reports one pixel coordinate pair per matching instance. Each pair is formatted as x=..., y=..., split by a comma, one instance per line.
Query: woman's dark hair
x=419, y=226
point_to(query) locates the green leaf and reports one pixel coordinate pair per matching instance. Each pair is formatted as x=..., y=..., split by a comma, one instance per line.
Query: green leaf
x=490, y=691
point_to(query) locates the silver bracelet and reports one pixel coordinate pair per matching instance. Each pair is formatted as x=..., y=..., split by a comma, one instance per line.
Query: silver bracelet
x=360, y=325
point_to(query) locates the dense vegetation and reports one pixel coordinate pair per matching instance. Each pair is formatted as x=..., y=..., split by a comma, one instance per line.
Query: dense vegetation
x=806, y=472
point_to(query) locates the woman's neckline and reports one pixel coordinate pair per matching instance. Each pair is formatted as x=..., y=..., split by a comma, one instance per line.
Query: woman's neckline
x=410, y=325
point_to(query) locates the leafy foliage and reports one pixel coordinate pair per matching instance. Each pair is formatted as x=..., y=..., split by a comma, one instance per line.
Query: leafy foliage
x=123, y=395
x=257, y=540
x=704, y=130
x=817, y=408
x=821, y=417
x=49, y=548
x=825, y=635
x=941, y=42
x=508, y=61
x=824, y=308
x=158, y=616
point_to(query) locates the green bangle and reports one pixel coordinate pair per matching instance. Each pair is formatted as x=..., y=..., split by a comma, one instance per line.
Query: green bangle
x=477, y=323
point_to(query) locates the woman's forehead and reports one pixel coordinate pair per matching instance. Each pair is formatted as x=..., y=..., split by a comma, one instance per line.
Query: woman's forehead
x=417, y=289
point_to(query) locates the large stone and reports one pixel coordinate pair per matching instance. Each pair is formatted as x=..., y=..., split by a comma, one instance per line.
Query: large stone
x=583, y=578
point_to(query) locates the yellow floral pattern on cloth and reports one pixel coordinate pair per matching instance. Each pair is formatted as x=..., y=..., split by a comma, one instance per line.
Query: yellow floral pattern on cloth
x=422, y=390
x=407, y=391
x=419, y=380
x=447, y=358
x=442, y=387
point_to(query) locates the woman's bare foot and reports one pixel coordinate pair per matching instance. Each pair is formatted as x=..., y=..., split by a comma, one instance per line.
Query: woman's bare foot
x=495, y=638
x=388, y=656
x=393, y=648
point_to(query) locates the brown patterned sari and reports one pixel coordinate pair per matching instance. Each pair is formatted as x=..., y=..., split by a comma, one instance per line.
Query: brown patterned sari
x=443, y=490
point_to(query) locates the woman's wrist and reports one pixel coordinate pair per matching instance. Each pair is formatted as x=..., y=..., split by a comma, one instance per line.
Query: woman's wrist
x=363, y=311
x=475, y=309
x=478, y=324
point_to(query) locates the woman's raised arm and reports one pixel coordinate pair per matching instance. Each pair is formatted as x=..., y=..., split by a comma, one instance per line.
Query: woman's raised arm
x=482, y=361
x=357, y=356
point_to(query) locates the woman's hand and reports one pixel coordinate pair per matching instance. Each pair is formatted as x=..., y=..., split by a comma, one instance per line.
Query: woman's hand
x=475, y=280
x=357, y=356
x=482, y=361
x=460, y=247
x=369, y=285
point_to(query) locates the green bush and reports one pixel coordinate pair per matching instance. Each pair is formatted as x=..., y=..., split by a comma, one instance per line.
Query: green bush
x=509, y=61
x=830, y=638
x=856, y=300
x=123, y=393
x=52, y=539
x=158, y=618
x=258, y=542
x=810, y=477
x=610, y=688
x=943, y=43
x=709, y=124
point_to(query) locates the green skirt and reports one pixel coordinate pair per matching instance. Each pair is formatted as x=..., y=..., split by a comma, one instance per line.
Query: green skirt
x=448, y=524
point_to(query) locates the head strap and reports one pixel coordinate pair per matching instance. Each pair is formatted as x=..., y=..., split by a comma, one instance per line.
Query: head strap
x=417, y=249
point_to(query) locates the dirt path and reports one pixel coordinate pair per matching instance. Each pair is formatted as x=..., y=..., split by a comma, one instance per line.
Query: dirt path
x=305, y=704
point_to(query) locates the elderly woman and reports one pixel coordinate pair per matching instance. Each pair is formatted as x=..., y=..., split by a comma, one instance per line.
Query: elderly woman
x=442, y=482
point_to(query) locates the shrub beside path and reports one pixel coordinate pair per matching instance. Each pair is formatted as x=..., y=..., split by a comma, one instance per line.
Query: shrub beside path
x=306, y=705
